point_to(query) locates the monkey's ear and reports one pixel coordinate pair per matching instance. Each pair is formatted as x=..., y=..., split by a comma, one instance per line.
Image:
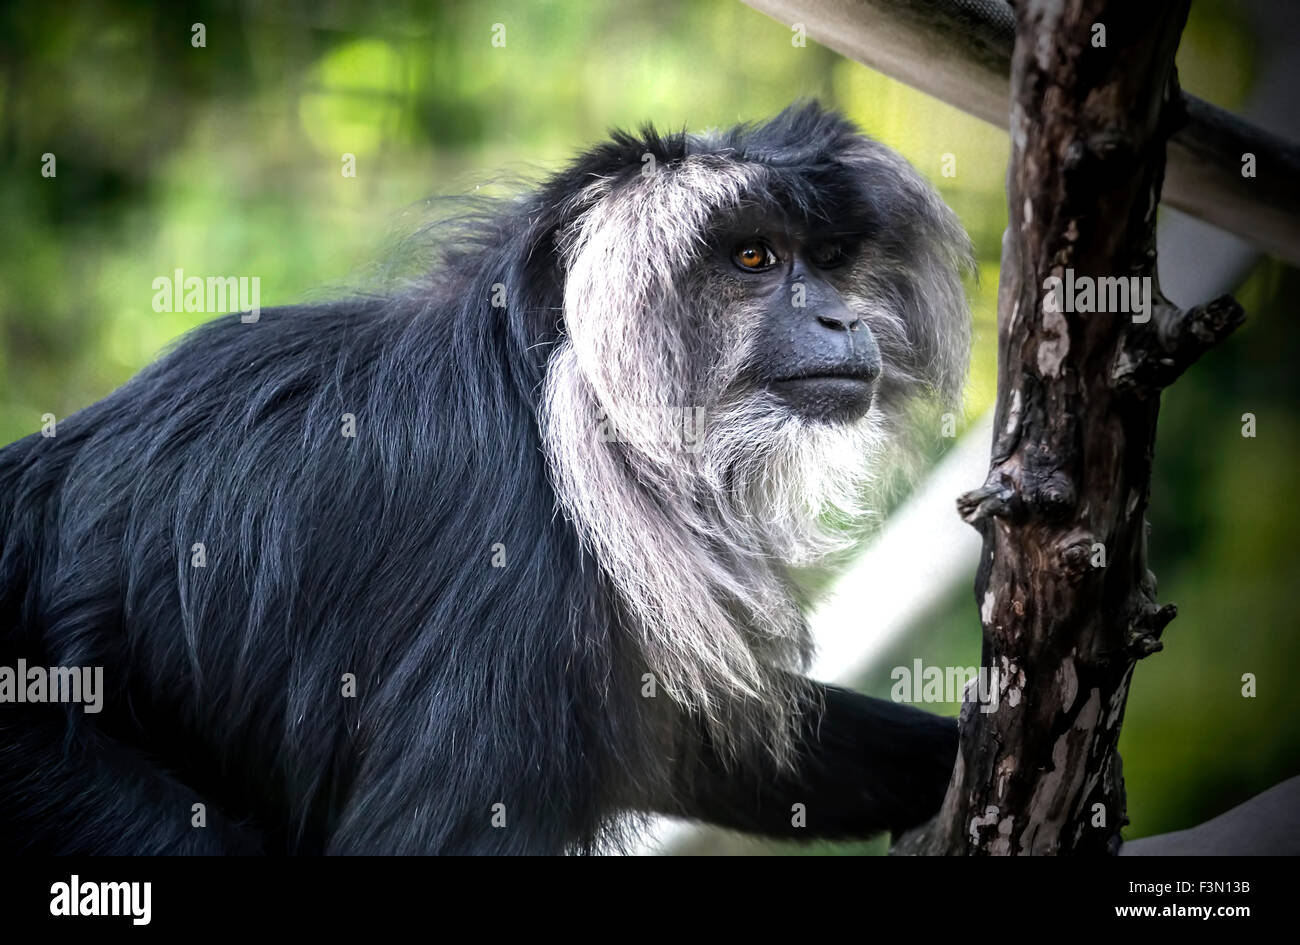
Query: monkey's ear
x=931, y=253
x=940, y=325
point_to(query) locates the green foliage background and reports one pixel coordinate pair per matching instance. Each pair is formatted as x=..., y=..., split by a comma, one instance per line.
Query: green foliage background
x=225, y=160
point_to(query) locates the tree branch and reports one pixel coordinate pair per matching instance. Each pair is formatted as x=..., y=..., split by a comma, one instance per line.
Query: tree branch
x=1085, y=338
x=960, y=52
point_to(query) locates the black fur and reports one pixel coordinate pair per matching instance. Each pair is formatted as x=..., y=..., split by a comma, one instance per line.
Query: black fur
x=326, y=555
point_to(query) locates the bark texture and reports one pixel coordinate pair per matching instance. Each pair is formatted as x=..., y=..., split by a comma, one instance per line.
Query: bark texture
x=1067, y=602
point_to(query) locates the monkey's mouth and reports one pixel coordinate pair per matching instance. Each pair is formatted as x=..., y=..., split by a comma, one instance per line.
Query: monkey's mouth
x=827, y=397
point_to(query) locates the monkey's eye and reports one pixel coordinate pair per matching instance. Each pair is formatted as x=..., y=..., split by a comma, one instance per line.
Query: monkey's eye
x=754, y=257
x=828, y=255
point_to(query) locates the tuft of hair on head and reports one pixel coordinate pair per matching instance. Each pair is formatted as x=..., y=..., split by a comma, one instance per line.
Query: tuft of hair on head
x=700, y=498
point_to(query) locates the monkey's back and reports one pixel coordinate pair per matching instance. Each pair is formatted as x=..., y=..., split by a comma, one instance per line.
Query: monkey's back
x=319, y=560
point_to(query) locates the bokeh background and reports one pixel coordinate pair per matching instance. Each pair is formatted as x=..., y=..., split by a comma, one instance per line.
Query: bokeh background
x=226, y=160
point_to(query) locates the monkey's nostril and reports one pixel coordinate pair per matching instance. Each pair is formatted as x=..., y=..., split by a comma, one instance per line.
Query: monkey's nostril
x=840, y=322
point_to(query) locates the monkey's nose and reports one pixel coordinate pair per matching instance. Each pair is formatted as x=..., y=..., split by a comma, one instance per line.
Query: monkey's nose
x=838, y=317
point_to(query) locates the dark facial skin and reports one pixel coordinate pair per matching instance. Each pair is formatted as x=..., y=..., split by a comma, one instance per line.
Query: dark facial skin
x=815, y=353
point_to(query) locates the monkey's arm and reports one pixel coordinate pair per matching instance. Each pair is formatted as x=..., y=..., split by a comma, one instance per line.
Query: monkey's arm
x=73, y=791
x=863, y=765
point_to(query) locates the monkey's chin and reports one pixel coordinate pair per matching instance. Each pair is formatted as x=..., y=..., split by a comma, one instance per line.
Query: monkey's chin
x=826, y=399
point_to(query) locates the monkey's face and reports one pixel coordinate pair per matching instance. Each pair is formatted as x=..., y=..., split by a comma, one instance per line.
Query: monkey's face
x=745, y=314
x=797, y=288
